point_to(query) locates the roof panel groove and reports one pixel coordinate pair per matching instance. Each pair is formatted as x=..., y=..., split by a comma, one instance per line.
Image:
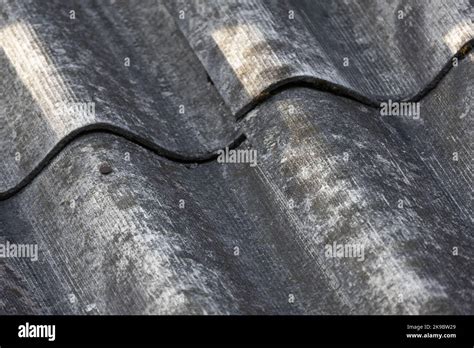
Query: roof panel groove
x=150, y=235
x=372, y=50
x=125, y=98
x=156, y=237
x=60, y=76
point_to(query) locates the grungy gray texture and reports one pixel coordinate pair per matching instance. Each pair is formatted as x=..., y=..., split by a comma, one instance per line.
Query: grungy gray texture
x=49, y=61
x=168, y=229
x=362, y=47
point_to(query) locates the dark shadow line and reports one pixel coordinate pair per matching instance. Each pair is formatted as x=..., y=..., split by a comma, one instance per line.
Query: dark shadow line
x=104, y=128
x=305, y=81
x=274, y=89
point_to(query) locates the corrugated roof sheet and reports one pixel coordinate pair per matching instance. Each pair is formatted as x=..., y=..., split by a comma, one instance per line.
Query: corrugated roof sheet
x=169, y=229
x=371, y=51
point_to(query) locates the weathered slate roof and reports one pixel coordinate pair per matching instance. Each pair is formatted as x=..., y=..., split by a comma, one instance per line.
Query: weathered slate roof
x=172, y=230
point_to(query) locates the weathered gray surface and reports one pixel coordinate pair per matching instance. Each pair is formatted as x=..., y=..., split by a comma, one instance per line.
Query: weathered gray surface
x=329, y=170
x=139, y=252
x=250, y=47
x=443, y=137
x=49, y=60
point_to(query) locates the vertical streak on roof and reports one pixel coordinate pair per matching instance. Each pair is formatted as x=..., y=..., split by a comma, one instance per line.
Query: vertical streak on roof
x=39, y=75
